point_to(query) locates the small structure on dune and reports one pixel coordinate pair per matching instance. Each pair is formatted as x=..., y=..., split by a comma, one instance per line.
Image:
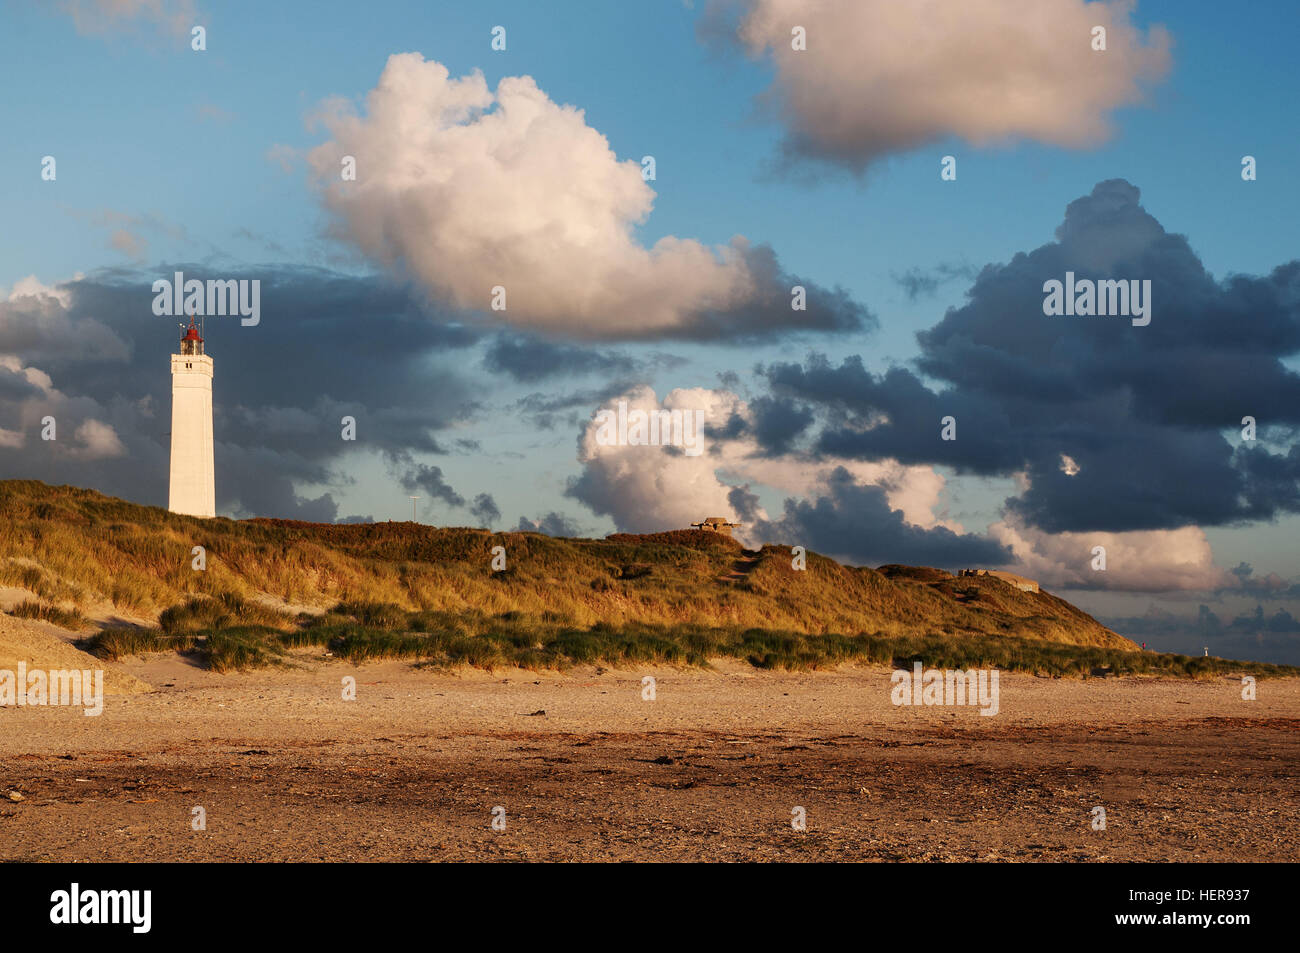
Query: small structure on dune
x=716, y=524
x=1020, y=582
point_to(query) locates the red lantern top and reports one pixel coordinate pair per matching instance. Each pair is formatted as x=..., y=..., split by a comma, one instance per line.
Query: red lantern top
x=192, y=343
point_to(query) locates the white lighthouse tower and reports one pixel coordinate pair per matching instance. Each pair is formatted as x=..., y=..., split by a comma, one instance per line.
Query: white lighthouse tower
x=193, y=489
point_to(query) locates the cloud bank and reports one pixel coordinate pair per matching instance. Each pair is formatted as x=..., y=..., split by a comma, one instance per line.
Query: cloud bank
x=864, y=512
x=1112, y=427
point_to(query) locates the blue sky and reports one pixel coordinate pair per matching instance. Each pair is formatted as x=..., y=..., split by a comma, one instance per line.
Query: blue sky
x=177, y=149
x=123, y=110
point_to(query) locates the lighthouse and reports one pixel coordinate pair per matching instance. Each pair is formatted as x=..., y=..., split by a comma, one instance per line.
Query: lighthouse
x=193, y=489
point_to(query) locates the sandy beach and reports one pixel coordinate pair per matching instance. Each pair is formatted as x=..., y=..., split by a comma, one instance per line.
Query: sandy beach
x=285, y=769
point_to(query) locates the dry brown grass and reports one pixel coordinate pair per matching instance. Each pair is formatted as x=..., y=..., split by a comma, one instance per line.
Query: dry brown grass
x=76, y=546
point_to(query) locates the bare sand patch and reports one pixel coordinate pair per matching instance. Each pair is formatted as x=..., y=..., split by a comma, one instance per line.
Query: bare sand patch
x=11, y=596
x=46, y=647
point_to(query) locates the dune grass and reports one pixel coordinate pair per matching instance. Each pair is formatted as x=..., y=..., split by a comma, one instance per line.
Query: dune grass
x=75, y=546
x=224, y=650
x=117, y=642
x=223, y=611
x=64, y=618
x=363, y=632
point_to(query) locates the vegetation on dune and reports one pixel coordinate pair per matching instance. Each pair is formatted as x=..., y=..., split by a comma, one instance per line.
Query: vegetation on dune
x=403, y=590
x=222, y=650
x=361, y=632
x=76, y=546
x=221, y=612
x=64, y=618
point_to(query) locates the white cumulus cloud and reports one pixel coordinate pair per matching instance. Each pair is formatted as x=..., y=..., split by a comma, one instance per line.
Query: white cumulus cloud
x=1136, y=560
x=882, y=77
x=464, y=188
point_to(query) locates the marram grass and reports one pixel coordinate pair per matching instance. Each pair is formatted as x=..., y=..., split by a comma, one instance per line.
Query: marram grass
x=76, y=547
x=361, y=632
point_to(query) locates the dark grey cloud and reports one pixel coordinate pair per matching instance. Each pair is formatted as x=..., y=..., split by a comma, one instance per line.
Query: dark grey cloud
x=567, y=409
x=422, y=479
x=266, y=477
x=1143, y=412
x=485, y=508
x=895, y=414
x=42, y=330
x=552, y=524
x=1279, y=621
x=322, y=334
x=776, y=424
x=855, y=523
x=768, y=313
x=918, y=283
x=529, y=359
x=16, y=386
x=328, y=346
x=1269, y=586
x=1260, y=635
